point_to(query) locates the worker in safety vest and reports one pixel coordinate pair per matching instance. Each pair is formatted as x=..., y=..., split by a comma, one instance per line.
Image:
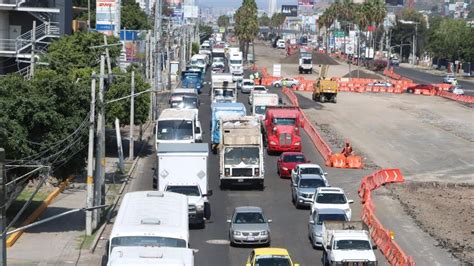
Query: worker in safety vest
x=347, y=150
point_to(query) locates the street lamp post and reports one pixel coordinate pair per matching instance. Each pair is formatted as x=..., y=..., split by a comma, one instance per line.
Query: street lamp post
x=409, y=22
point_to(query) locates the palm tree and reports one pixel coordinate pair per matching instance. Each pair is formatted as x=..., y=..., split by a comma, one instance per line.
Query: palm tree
x=246, y=24
x=223, y=21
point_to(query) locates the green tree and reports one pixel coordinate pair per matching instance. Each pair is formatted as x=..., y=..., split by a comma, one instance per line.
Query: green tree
x=223, y=21
x=133, y=17
x=403, y=33
x=447, y=37
x=277, y=20
x=264, y=20
x=246, y=24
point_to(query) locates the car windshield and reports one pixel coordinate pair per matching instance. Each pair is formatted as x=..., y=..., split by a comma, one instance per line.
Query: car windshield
x=311, y=171
x=235, y=62
x=260, y=110
x=331, y=217
x=352, y=244
x=331, y=198
x=249, y=218
x=218, y=60
x=284, y=121
x=312, y=183
x=189, y=103
x=272, y=261
x=198, y=62
x=185, y=190
x=294, y=159
x=142, y=241
x=245, y=155
x=259, y=89
x=248, y=83
x=175, y=130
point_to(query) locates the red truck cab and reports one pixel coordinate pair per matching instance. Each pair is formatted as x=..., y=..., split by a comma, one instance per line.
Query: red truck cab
x=282, y=129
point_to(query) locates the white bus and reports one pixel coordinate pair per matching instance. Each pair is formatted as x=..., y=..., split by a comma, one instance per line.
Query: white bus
x=143, y=256
x=151, y=219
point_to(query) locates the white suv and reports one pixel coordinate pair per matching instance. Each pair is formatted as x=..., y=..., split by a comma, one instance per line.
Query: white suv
x=331, y=197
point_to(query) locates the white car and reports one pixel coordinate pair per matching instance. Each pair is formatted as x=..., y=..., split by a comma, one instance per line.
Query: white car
x=380, y=84
x=288, y=82
x=247, y=85
x=458, y=90
x=331, y=197
x=237, y=77
x=308, y=168
x=255, y=90
x=281, y=44
x=450, y=78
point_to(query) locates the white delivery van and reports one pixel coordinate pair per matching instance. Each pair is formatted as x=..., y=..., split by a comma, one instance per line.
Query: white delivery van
x=151, y=218
x=200, y=60
x=182, y=168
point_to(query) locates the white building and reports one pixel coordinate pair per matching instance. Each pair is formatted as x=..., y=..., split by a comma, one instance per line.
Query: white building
x=272, y=7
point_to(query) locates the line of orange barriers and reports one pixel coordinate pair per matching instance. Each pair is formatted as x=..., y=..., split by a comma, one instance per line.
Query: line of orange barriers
x=381, y=236
x=455, y=97
x=332, y=159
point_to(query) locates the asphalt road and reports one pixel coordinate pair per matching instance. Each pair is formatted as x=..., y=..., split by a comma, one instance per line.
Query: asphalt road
x=427, y=78
x=289, y=227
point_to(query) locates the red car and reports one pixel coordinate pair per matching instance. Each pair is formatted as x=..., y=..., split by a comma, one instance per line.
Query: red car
x=288, y=161
x=421, y=87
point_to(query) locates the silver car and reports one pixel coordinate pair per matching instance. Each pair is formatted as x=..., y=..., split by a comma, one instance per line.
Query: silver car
x=315, y=224
x=247, y=86
x=249, y=226
x=303, y=188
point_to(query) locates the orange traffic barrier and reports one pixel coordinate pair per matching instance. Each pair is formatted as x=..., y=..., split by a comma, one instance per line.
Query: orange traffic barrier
x=354, y=161
x=455, y=97
x=337, y=160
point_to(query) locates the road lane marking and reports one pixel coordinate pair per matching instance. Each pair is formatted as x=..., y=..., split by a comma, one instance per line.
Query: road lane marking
x=218, y=241
x=415, y=161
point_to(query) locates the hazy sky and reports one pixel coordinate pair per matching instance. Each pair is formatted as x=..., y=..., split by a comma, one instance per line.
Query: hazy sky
x=262, y=4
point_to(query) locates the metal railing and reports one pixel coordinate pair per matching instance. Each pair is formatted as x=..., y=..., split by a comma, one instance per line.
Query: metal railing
x=47, y=29
x=8, y=45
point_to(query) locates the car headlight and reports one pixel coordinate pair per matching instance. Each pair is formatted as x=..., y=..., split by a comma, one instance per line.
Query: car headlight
x=272, y=142
x=263, y=233
x=237, y=233
x=318, y=234
x=297, y=143
x=285, y=169
x=200, y=207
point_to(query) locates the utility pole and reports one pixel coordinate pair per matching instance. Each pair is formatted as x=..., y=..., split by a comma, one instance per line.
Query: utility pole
x=158, y=80
x=132, y=115
x=100, y=151
x=414, y=44
x=147, y=54
x=88, y=15
x=3, y=209
x=168, y=52
x=33, y=41
x=109, y=64
x=90, y=162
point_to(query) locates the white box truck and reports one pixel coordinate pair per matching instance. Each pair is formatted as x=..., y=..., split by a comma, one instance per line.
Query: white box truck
x=241, y=152
x=347, y=243
x=178, y=126
x=150, y=218
x=236, y=65
x=260, y=103
x=183, y=168
x=223, y=90
x=129, y=256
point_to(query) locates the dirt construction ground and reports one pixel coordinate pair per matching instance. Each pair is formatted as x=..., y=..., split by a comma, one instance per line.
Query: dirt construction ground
x=430, y=139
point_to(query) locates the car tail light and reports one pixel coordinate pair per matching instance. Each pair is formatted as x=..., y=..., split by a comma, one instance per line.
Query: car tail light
x=257, y=171
x=227, y=171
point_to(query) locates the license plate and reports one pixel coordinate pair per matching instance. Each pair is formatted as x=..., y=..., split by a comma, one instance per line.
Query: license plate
x=240, y=180
x=251, y=239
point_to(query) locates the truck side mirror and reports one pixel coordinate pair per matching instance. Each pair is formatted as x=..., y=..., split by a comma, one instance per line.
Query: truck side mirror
x=328, y=247
x=209, y=193
x=229, y=221
x=311, y=221
x=350, y=201
x=374, y=247
x=302, y=123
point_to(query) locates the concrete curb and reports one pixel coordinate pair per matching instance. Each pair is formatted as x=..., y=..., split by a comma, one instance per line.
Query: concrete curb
x=11, y=240
x=101, y=229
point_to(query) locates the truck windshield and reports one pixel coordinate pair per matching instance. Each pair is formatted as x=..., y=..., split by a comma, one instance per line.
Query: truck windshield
x=306, y=61
x=331, y=198
x=225, y=93
x=245, y=155
x=141, y=241
x=185, y=190
x=284, y=121
x=218, y=60
x=331, y=217
x=312, y=183
x=175, y=130
x=189, y=103
x=273, y=260
x=235, y=62
x=352, y=244
x=260, y=110
x=198, y=62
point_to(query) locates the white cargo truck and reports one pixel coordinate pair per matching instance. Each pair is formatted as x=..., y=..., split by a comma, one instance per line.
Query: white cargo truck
x=150, y=218
x=260, y=103
x=183, y=168
x=178, y=126
x=347, y=243
x=152, y=255
x=241, y=152
x=235, y=62
x=223, y=90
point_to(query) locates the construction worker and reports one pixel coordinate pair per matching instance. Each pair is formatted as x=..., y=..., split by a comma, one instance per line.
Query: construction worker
x=347, y=150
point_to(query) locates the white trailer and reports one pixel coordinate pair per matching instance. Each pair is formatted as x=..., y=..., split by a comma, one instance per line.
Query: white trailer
x=241, y=152
x=236, y=65
x=260, y=103
x=222, y=88
x=347, y=243
x=130, y=256
x=183, y=168
x=151, y=218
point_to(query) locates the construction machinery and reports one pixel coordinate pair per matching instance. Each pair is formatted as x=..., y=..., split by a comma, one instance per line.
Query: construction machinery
x=325, y=89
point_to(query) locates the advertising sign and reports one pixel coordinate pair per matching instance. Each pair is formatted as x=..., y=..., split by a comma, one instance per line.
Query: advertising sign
x=108, y=16
x=305, y=2
x=191, y=11
x=305, y=10
x=276, y=70
x=289, y=10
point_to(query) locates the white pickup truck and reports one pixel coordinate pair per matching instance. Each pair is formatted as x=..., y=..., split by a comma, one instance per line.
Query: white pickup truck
x=346, y=243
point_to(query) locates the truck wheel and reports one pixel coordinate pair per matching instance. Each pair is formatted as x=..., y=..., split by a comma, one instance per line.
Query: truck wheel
x=322, y=98
x=325, y=258
x=202, y=225
x=207, y=210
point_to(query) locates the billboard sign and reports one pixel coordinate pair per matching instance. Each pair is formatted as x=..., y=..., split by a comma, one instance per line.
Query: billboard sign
x=108, y=16
x=305, y=2
x=305, y=10
x=289, y=10
x=191, y=11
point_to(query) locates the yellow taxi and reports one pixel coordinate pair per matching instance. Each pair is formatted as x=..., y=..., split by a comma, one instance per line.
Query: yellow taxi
x=270, y=257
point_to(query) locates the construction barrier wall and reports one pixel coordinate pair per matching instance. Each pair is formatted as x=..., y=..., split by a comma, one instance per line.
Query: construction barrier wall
x=381, y=236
